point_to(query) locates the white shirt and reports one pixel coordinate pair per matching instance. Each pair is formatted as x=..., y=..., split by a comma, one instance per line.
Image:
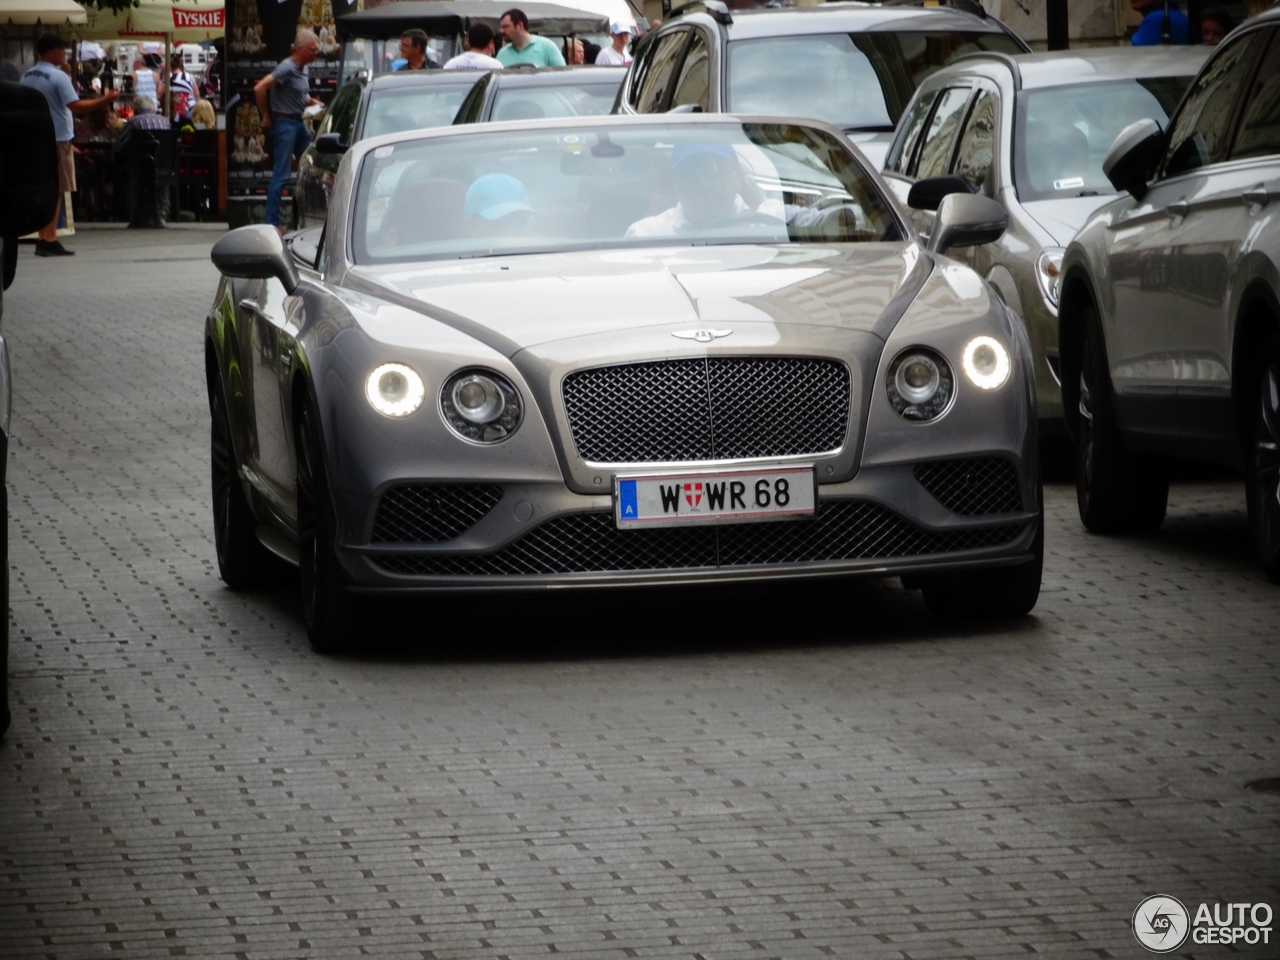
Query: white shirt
x=672, y=222
x=609, y=57
x=473, y=61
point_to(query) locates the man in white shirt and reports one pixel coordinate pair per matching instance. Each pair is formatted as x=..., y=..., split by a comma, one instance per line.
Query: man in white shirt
x=618, y=55
x=479, y=53
x=707, y=178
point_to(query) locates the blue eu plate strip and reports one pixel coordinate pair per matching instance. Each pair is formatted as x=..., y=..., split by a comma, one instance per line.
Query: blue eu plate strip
x=627, y=507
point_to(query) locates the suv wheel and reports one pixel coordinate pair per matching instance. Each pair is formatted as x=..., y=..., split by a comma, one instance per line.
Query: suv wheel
x=1116, y=492
x=1262, y=477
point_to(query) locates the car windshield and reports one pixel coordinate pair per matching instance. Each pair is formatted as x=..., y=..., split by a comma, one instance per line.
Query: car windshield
x=860, y=81
x=394, y=111
x=1062, y=133
x=576, y=188
x=381, y=56
x=570, y=100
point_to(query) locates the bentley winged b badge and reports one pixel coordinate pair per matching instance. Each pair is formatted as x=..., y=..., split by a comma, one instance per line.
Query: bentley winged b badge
x=702, y=336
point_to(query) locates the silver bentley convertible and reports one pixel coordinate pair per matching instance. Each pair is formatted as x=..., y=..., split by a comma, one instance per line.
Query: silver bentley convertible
x=619, y=351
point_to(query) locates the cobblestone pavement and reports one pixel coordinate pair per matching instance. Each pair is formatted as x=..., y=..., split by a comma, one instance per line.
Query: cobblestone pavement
x=715, y=774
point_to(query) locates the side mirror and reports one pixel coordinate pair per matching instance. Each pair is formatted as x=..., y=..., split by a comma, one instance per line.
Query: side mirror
x=330, y=143
x=965, y=220
x=255, y=253
x=926, y=194
x=1132, y=156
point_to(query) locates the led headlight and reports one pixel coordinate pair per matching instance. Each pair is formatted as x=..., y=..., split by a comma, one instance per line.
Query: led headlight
x=986, y=362
x=481, y=406
x=1049, y=275
x=920, y=385
x=394, y=390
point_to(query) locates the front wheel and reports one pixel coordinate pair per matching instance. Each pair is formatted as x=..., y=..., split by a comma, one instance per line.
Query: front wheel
x=1262, y=477
x=1116, y=492
x=328, y=608
x=1002, y=593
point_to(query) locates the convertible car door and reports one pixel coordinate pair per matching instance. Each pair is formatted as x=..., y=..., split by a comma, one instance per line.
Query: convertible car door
x=266, y=315
x=1157, y=305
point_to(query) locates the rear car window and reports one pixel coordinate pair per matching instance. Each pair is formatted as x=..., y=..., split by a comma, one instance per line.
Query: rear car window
x=570, y=100
x=859, y=81
x=394, y=111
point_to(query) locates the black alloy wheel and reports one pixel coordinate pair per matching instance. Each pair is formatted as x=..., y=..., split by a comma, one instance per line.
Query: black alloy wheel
x=243, y=562
x=328, y=608
x=1116, y=492
x=1262, y=479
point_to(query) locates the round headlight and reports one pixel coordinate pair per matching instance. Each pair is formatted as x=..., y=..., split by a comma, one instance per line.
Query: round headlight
x=395, y=390
x=920, y=385
x=986, y=362
x=481, y=406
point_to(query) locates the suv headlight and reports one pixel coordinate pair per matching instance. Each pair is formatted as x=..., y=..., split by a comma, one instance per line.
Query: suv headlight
x=986, y=362
x=481, y=406
x=920, y=384
x=1049, y=275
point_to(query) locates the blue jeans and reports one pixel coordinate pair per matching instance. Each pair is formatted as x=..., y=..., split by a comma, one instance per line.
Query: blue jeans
x=288, y=139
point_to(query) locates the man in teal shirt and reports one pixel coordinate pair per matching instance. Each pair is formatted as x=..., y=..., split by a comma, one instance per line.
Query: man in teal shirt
x=522, y=46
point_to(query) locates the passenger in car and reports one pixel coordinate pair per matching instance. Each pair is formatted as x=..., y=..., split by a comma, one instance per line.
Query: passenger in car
x=708, y=185
x=497, y=205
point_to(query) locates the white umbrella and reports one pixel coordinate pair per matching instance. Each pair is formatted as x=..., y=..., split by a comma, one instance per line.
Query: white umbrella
x=190, y=20
x=47, y=13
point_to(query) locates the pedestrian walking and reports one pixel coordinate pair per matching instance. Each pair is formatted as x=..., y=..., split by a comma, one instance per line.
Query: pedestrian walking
x=288, y=88
x=413, y=51
x=182, y=90
x=479, y=52
x=617, y=55
x=1162, y=22
x=146, y=81
x=522, y=46
x=65, y=104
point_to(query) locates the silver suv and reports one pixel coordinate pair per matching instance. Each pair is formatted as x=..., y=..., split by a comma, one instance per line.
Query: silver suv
x=1169, y=324
x=1031, y=131
x=854, y=65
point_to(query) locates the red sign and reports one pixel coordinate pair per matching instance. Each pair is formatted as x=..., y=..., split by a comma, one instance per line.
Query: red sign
x=199, y=19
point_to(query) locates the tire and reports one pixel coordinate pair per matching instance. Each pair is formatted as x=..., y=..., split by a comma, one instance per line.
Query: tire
x=1116, y=492
x=1002, y=593
x=1262, y=457
x=243, y=562
x=328, y=608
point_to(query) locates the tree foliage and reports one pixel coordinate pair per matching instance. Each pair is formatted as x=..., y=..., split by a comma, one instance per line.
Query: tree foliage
x=115, y=6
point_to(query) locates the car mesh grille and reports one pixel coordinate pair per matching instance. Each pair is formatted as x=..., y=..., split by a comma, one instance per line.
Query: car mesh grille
x=431, y=512
x=972, y=487
x=715, y=408
x=590, y=543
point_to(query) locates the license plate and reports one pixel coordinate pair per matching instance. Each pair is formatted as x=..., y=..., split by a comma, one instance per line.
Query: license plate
x=717, y=496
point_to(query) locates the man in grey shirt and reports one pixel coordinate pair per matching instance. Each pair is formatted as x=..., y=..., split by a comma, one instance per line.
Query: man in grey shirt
x=288, y=88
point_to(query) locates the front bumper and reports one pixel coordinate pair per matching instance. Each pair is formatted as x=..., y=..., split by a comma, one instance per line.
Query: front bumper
x=883, y=522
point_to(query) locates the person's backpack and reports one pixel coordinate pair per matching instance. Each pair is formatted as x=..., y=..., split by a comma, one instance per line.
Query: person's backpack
x=28, y=166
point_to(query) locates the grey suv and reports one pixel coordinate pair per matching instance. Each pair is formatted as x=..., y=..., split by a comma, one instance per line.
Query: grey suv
x=854, y=65
x=1169, y=323
x=1031, y=131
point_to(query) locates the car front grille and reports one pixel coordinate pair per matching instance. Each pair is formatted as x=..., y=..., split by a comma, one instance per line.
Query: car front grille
x=590, y=543
x=972, y=487
x=432, y=512
x=713, y=408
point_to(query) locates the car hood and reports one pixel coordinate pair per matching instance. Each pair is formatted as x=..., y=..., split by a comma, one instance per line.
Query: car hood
x=517, y=302
x=1062, y=218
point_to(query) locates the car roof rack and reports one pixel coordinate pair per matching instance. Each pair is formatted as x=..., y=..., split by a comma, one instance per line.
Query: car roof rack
x=1005, y=58
x=717, y=10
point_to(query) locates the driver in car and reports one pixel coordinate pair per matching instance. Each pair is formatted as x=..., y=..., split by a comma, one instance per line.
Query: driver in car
x=707, y=178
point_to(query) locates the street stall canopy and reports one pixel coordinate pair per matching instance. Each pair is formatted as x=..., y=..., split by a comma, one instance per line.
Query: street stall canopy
x=184, y=20
x=446, y=18
x=48, y=13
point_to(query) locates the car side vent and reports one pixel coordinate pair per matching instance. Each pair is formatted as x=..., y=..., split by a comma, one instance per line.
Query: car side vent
x=432, y=512
x=972, y=487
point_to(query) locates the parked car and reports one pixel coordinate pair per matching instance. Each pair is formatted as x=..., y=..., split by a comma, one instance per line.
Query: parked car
x=853, y=65
x=365, y=108
x=1169, y=323
x=552, y=92
x=1031, y=131
x=613, y=348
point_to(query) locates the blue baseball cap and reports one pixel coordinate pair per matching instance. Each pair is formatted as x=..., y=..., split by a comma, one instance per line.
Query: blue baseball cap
x=495, y=195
